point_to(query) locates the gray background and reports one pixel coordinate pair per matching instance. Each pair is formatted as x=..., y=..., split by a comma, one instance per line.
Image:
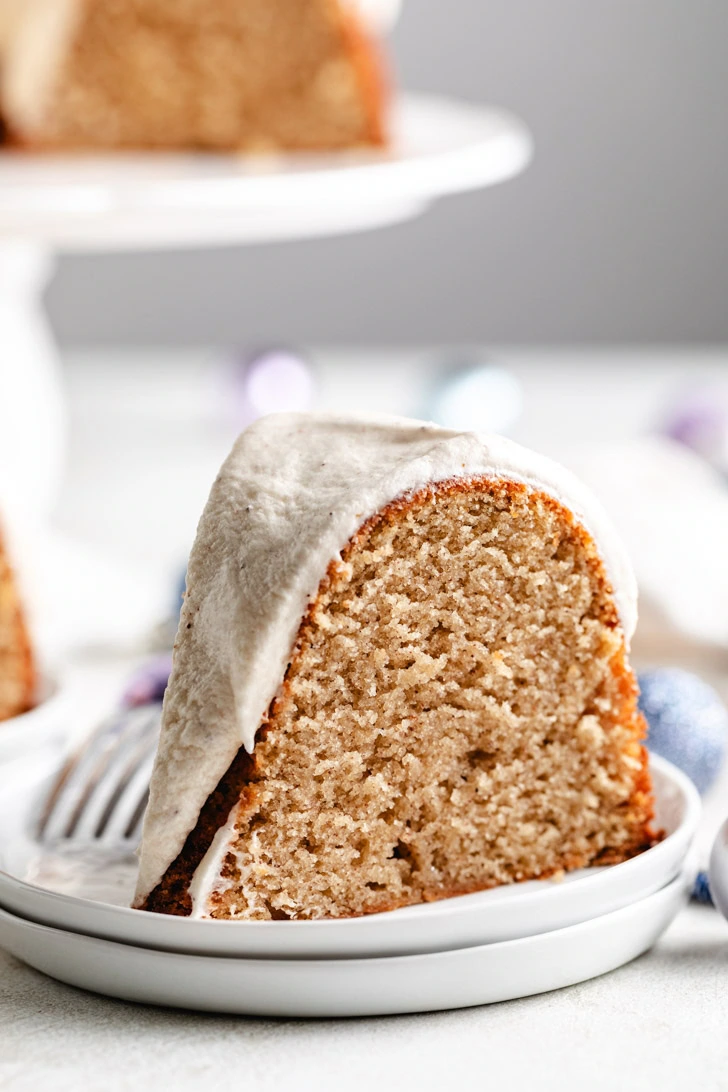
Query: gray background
x=617, y=233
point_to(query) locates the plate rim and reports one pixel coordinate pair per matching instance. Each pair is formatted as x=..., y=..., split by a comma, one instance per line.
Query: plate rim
x=46, y=719
x=445, y=979
x=374, y=927
x=682, y=881
x=132, y=174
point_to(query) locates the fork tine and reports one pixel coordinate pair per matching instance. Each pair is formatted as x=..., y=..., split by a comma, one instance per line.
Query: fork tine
x=64, y=798
x=84, y=771
x=133, y=794
x=136, y=823
x=121, y=759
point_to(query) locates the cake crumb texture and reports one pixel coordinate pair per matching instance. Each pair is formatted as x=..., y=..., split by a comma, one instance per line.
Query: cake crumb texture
x=255, y=75
x=458, y=713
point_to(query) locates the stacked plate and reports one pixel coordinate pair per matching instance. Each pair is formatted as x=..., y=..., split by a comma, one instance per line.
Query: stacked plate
x=42, y=726
x=471, y=950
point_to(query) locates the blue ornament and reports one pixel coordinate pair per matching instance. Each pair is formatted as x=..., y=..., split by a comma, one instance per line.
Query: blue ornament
x=701, y=890
x=688, y=722
x=179, y=597
x=477, y=395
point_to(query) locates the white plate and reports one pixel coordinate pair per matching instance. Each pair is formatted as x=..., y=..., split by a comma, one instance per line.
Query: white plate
x=439, y=147
x=46, y=723
x=719, y=870
x=501, y=914
x=349, y=987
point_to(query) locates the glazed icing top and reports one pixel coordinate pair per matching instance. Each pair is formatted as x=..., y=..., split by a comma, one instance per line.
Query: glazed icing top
x=290, y=495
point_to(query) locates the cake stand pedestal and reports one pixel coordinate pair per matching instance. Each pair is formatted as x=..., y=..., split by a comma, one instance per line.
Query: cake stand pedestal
x=32, y=404
x=55, y=204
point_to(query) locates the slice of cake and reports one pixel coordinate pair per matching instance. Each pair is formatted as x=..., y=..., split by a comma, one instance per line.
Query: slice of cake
x=401, y=674
x=199, y=74
x=17, y=674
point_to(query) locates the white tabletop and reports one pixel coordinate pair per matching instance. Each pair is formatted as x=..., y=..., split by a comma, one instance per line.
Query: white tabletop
x=658, y=1023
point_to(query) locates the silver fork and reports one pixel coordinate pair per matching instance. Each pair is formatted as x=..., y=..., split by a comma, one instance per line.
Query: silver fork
x=100, y=794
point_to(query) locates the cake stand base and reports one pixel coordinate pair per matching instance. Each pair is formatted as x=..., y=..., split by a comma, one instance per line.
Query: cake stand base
x=33, y=426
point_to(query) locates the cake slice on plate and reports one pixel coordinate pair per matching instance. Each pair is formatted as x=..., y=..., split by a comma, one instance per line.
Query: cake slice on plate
x=17, y=673
x=401, y=674
x=215, y=75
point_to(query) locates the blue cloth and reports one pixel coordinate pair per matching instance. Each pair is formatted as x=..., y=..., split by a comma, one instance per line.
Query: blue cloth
x=688, y=722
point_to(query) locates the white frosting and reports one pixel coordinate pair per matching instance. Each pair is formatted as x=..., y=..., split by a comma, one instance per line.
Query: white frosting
x=293, y=491
x=34, y=39
x=208, y=871
x=379, y=15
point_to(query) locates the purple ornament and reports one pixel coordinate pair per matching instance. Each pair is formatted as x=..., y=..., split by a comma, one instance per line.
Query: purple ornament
x=700, y=422
x=272, y=380
x=149, y=683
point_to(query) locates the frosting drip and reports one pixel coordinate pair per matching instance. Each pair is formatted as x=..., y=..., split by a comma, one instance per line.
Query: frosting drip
x=290, y=495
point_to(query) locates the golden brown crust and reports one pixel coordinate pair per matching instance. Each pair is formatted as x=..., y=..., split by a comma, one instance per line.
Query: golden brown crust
x=367, y=56
x=170, y=896
x=17, y=667
x=94, y=114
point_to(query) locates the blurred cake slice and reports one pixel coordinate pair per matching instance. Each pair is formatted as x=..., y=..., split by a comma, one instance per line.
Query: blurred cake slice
x=17, y=674
x=189, y=74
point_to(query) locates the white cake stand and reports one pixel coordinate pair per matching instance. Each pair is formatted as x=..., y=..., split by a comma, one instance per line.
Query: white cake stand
x=51, y=204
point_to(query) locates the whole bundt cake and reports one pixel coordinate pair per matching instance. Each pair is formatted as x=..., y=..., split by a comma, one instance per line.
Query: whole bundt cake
x=188, y=74
x=400, y=675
